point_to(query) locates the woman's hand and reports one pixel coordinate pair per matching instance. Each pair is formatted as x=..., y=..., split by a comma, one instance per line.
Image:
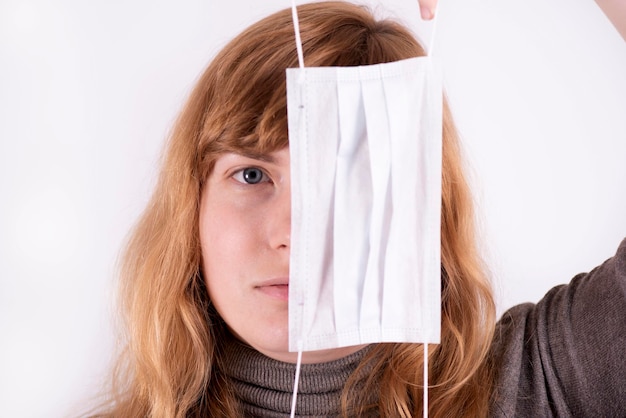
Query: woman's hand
x=427, y=8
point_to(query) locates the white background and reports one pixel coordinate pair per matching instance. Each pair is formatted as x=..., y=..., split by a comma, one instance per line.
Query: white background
x=89, y=90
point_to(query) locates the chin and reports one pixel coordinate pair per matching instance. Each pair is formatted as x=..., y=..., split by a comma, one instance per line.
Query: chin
x=271, y=341
x=274, y=345
x=280, y=351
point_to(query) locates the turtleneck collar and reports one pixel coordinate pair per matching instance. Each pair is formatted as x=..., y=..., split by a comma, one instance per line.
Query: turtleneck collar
x=264, y=386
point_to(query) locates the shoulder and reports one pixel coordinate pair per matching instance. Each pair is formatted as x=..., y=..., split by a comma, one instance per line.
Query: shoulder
x=565, y=355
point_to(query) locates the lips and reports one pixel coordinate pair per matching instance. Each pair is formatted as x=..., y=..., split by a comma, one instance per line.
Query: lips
x=277, y=288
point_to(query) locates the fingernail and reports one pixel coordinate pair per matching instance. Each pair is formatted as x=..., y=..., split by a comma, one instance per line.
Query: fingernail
x=426, y=13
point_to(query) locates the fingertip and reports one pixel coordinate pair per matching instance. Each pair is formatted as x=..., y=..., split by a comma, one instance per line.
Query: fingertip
x=426, y=12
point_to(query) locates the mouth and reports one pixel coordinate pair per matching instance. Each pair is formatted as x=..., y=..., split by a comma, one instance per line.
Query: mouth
x=275, y=288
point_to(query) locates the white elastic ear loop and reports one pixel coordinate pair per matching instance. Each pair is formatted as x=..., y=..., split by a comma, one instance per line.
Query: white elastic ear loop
x=431, y=48
x=294, y=397
x=296, y=29
x=425, y=414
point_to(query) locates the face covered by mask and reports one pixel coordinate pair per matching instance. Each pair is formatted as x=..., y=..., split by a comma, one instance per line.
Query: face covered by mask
x=365, y=145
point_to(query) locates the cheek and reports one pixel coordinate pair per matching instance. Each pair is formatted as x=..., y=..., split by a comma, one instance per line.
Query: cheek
x=221, y=237
x=219, y=240
x=229, y=239
x=230, y=226
x=229, y=244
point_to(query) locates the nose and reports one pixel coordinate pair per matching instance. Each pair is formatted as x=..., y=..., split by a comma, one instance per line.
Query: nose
x=280, y=222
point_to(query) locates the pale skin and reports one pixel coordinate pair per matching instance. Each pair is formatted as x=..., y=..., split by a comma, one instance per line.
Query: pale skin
x=427, y=8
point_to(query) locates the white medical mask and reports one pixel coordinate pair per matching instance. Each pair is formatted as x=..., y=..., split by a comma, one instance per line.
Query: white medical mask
x=365, y=145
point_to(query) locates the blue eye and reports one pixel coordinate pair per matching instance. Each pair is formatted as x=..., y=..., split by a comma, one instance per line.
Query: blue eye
x=251, y=175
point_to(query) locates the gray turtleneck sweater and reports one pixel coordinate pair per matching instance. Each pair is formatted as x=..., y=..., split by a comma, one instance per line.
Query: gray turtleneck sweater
x=565, y=356
x=265, y=386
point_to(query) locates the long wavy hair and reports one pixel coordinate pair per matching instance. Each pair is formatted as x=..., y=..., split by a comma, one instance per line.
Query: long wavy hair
x=170, y=366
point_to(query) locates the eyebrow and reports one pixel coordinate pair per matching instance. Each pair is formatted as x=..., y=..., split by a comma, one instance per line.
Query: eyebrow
x=257, y=156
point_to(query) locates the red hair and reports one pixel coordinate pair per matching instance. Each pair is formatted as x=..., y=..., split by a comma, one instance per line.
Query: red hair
x=171, y=365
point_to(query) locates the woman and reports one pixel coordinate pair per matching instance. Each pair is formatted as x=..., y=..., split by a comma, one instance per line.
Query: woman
x=204, y=278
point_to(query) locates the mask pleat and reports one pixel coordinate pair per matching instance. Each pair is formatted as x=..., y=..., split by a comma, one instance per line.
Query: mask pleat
x=380, y=161
x=321, y=101
x=351, y=228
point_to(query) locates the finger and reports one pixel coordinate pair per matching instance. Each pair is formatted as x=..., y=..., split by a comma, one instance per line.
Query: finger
x=615, y=10
x=427, y=8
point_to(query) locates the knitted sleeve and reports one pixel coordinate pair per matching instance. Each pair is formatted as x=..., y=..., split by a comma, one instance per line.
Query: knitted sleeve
x=566, y=355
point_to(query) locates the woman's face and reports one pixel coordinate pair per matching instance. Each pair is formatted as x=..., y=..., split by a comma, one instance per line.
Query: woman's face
x=245, y=223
